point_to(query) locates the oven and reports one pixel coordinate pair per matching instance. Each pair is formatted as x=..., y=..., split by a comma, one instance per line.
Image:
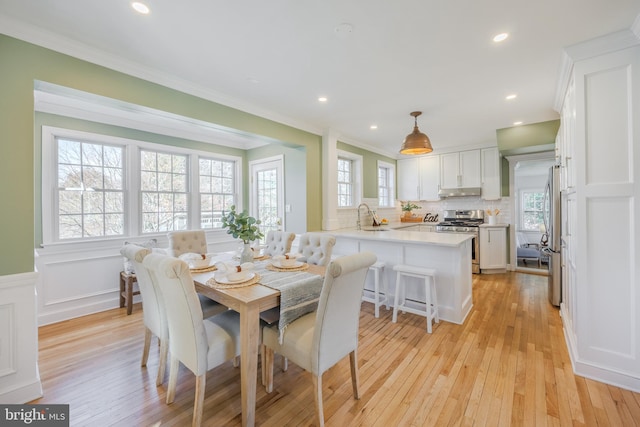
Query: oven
x=467, y=222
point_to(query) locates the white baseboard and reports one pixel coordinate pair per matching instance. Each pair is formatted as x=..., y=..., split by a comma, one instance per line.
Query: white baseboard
x=22, y=393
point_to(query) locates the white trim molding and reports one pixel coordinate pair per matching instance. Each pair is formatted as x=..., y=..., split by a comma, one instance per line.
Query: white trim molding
x=19, y=373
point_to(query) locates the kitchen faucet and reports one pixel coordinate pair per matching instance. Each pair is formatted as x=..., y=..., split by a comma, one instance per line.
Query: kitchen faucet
x=358, y=224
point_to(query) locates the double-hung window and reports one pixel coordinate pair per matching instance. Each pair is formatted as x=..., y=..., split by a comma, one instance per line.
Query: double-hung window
x=349, y=169
x=386, y=174
x=531, y=210
x=90, y=189
x=217, y=190
x=163, y=190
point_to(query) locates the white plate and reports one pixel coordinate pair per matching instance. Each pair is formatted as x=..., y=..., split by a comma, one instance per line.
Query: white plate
x=225, y=280
x=295, y=264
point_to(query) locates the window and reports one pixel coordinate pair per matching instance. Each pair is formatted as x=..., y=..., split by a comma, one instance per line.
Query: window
x=532, y=210
x=96, y=187
x=90, y=189
x=163, y=188
x=217, y=190
x=349, y=179
x=345, y=183
x=386, y=196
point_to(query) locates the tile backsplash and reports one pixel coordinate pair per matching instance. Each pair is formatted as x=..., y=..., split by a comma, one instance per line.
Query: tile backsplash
x=348, y=218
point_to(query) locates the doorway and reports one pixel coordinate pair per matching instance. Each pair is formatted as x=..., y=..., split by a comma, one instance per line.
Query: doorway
x=528, y=175
x=266, y=200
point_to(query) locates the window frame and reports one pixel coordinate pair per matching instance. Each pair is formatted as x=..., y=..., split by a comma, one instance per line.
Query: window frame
x=521, y=203
x=356, y=176
x=390, y=185
x=131, y=183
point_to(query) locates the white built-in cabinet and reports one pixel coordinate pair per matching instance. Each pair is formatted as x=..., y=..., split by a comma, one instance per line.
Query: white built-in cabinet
x=598, y=152
x=460, y=169
x=493, y=247
x=490, y=173
x=419, y=178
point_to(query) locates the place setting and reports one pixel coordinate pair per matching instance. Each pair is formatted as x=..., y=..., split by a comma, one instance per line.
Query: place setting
x=198, y=263
x=233, y=276
x=287, y=262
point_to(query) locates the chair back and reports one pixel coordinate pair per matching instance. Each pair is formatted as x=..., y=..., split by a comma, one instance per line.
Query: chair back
x=278, y=242
x=182, y=242
x=188, y=338
x=338, y=313
x=316, y=247
x=153, y=313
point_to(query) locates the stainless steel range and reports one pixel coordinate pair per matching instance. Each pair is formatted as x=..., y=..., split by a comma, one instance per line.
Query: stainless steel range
x=468, y=222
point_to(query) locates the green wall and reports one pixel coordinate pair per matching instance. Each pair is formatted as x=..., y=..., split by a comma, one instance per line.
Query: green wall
x=23, y=63
x=369, y=168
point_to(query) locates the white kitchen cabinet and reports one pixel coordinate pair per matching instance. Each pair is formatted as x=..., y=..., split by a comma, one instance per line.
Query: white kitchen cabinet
x=600, y=164
x=490, y=165
x=419, y=178
x=460, y=169
x=493, y=248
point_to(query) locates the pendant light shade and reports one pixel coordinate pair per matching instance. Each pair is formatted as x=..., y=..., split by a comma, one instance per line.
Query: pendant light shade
x=416, y=142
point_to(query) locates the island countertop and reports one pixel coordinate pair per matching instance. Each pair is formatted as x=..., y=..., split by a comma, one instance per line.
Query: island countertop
x=384, y=233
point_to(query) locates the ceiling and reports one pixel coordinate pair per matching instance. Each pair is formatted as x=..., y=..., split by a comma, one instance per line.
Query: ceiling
x=275, y=58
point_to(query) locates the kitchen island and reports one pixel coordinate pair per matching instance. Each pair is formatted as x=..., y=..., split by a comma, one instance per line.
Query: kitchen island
x=448, y=253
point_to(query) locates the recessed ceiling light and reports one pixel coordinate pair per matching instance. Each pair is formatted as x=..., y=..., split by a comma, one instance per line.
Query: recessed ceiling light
x=373, y=127
x=512, y=96
x=140, y=7
x=322, y=99
x=517, y=123
x=500, y=37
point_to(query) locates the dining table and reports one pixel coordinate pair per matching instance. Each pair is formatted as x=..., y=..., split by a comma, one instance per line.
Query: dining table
x=263, y=296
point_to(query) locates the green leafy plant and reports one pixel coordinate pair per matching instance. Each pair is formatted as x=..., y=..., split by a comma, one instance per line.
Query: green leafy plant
x=241, y=225
x=408, y=206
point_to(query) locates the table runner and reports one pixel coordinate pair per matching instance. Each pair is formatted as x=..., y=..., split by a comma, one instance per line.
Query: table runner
x=299, y=292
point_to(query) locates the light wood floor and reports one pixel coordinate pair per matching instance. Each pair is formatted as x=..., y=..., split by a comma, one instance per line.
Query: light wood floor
x=507, y=365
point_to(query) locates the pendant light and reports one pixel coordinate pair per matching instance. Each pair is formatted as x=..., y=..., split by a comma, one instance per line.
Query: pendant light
x=416, y=142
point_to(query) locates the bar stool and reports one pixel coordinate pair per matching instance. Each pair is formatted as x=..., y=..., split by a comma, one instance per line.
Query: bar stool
x=378, y=279
x=428, y=275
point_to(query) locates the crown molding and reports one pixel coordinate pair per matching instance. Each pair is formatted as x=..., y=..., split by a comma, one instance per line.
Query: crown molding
x=55, y=42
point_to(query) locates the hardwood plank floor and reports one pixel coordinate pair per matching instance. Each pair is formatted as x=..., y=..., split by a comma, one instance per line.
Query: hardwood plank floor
x=507, y=365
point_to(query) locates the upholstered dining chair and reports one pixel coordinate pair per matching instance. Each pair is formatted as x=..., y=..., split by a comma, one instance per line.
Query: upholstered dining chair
x=278, y=242
x=200, y=345
x=318, y=340
x=195, y=241
x=152, y=313
x=182, y=242
x=316, y=248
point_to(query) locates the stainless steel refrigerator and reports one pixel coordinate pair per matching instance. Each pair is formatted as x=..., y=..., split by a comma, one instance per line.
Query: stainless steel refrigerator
x=552, y=234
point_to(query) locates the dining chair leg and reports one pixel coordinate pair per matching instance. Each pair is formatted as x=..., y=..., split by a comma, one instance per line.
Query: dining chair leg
x=317, y=392
x=285, y=364
x=268, y=368
x=173, y=379
x=236, y=361
x=162, y=364
x=147, y=344
x=198, y=405
x=355, y=377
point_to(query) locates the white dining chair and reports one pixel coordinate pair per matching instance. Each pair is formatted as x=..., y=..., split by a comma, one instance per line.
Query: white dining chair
x=200, y=345
x=316, y=248
x=278, y=242
x=152, y=311
x=193, y=241
x=318, y=340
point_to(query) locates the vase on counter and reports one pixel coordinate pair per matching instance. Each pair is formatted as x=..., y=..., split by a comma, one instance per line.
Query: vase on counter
x=246, y=255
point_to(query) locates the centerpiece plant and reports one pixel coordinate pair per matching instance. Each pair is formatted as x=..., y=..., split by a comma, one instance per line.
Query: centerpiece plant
x=244, y=227
x=407, y=207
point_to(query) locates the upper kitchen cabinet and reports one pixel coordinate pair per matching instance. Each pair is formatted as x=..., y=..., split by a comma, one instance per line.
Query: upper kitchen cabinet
x=419, y=178
x=490, y=163
x=460, y=169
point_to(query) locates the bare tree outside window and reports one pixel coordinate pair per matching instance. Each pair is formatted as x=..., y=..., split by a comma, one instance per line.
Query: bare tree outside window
x=217, y=190
x=90, y=189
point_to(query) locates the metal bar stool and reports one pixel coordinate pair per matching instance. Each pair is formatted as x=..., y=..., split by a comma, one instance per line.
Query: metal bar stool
x=428, y=275
x=378, y=279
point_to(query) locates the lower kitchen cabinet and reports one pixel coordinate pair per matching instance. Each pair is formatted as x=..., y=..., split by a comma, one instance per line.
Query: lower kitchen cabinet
x=493, y=248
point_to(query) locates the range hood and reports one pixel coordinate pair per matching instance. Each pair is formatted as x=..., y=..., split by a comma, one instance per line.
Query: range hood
x=459, y=192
